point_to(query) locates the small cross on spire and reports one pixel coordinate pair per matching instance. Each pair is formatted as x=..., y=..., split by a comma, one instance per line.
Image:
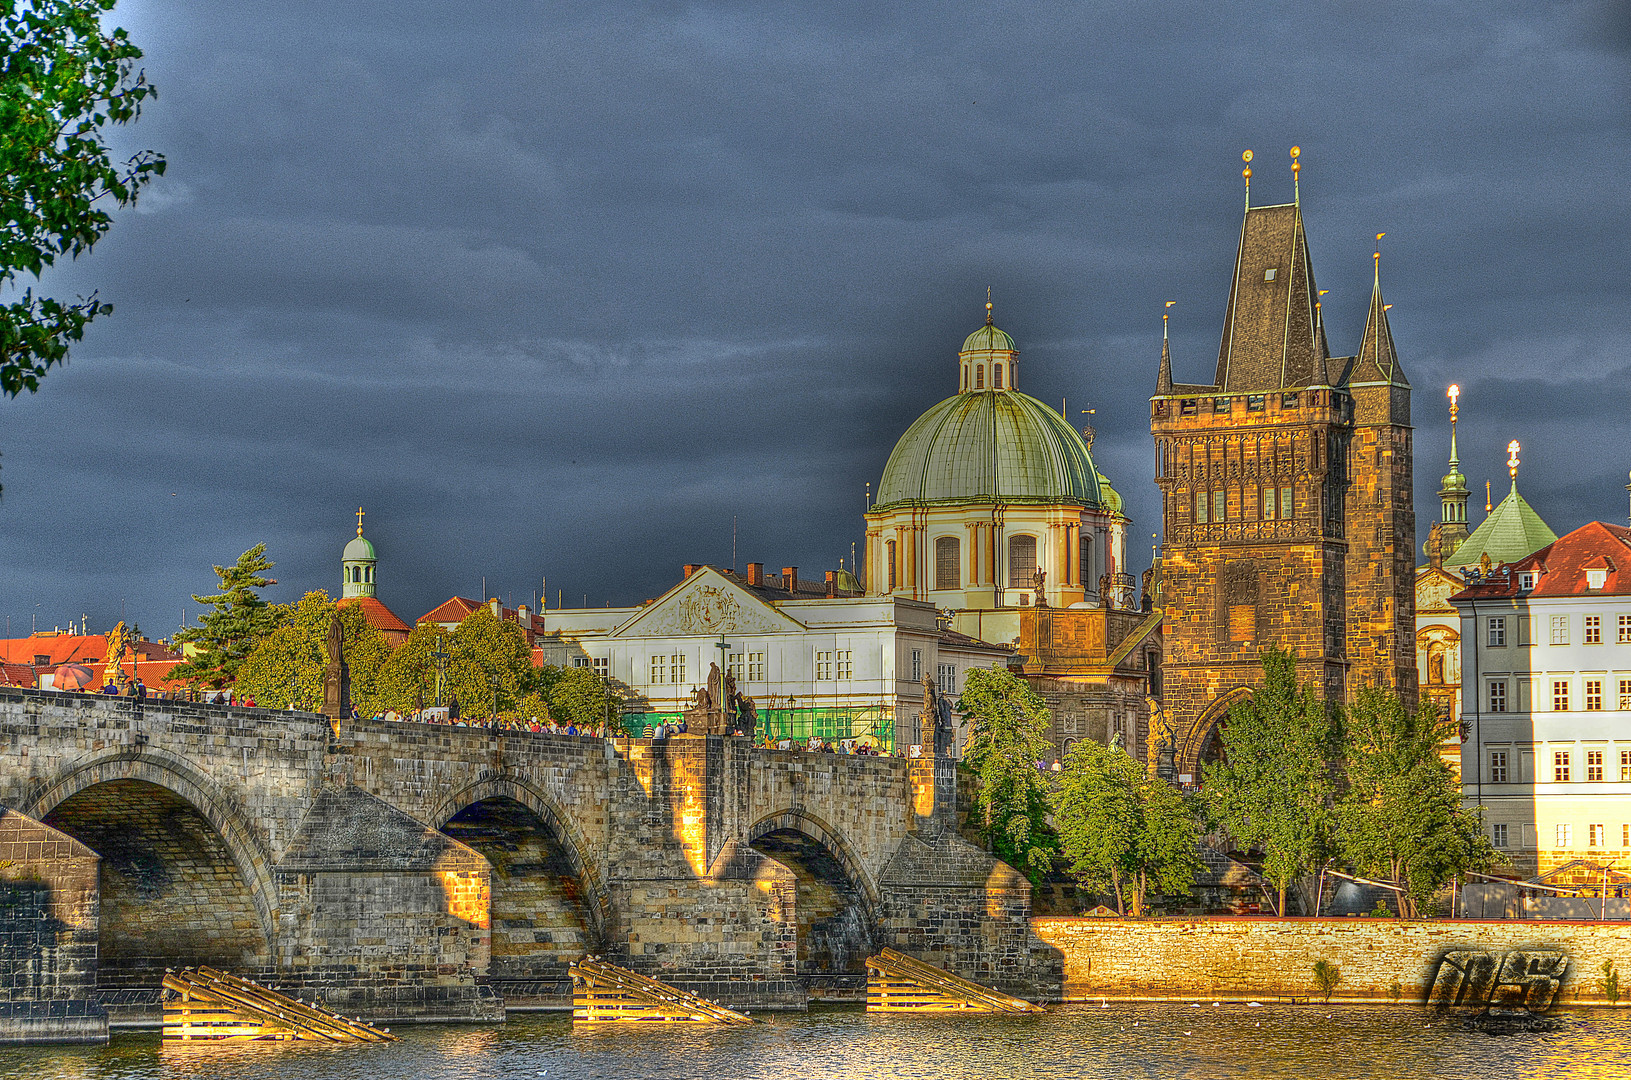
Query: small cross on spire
x=1512, y=449
x=359, y=520
x=988, y=305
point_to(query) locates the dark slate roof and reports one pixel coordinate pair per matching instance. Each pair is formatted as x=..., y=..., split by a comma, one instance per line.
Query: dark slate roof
x=1271, y=338
x=1376, y=361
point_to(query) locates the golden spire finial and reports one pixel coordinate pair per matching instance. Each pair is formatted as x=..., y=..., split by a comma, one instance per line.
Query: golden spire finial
x=1296, y=168
x=1454, y=394
x=988, y=305
x=1247, y=173
x=1164, y=318
x=1488, y=506
x=1512, y=449
x=359, y=520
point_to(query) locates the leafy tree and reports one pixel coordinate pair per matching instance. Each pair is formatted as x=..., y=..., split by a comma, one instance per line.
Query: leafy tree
x=238, y=621
x=1326, y=977
x=579, y=696
x=1401, y=817
x=63, y=81
x=1276, y=790
x=288, y=665
x=479, y=648
x=1008, y=735
x=1124, y=831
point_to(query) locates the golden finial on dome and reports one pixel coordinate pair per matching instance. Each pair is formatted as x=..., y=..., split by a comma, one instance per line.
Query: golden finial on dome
x=1247, y=173
x=988, y=305
x=359, y=520
x=1512, y=449
x=1296, y=168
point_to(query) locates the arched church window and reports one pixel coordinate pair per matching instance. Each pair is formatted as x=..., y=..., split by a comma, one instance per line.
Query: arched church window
x=979, y=377
x=1021, y=561
x=965, y=377
x=948, y=562
x=889, y=557
x=369, y=576
x=996, y=379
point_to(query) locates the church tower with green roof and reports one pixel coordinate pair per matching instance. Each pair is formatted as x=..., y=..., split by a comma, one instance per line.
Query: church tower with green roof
x=1510, y=532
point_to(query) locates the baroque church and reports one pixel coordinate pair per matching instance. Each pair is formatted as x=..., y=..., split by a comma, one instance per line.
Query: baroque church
x=1286, y=497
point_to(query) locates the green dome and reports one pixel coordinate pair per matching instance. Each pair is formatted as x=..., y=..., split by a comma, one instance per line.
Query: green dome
x=358, y=550
x=990, y=444
x=987, y=338
x=1112, y=497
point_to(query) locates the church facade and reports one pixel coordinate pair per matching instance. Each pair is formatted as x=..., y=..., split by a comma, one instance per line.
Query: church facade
x=1286, y=498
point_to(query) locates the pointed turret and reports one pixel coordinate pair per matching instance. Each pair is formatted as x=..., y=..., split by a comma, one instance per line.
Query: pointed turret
x=1375, y=378
x=1163, y=378
x=1452, y=493
x=1270, y=333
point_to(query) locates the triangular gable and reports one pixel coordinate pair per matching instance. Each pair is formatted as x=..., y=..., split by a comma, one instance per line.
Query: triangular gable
x=707, y=604
x=1434, y=587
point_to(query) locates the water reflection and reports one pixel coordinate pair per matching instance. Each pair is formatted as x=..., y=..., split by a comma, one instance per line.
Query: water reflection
x=1164, y=1041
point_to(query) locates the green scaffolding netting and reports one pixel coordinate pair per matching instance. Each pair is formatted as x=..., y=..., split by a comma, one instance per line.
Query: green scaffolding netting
x=831, y=723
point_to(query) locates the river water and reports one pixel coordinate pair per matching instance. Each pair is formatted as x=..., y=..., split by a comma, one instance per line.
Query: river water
x=1162, y=1041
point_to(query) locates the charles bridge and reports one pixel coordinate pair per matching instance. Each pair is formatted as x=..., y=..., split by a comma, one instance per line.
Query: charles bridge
x=410, y=871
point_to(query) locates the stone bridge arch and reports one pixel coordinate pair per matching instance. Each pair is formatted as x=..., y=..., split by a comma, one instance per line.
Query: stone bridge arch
x=550, y=904
x=182, y=870
x=837, y=907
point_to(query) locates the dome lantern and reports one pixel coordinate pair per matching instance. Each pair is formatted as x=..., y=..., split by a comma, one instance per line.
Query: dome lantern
x=357, y=564
x=987, y=360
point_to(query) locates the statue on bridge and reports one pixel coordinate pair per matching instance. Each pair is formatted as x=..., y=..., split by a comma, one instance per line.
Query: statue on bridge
x=337, y=675
x=937, y=712
x=718, y=708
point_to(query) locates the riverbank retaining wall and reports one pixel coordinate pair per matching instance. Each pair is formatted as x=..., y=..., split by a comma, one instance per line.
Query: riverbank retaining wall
x=1251, y=958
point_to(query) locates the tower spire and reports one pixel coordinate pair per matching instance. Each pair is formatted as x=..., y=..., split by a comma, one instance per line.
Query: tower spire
x=1247, y=174
x=1452, y=492
x=1296, y=168
x=1163, y=378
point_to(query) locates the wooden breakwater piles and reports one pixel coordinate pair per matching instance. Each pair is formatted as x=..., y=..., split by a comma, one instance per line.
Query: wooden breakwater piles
x=898, y=983
x=205, y=1004
x=603, y=993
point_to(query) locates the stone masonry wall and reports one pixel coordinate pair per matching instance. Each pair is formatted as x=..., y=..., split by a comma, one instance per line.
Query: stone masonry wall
x=1246, y=958
x=48, y=927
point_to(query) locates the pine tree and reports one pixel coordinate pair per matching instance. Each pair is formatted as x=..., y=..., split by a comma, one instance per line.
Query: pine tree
x=237, y=621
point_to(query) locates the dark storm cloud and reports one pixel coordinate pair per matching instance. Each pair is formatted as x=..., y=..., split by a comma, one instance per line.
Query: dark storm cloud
x=563, y=289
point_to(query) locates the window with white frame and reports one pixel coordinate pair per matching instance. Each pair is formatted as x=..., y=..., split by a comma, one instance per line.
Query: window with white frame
x=1594, y=764
x=1497, y=632
x=946, y=679
x=602, y=665
x=823, y=664
x=1562, y=835
x=1497, y=695
x=1593, y=631
x=1560, y=695
x=1594, y=695
x=1526, y=580
x=1596, y=578
x=1625, y=693
x=1497, y=766
x=1560, y=766
x=1560, y=629
x=659, y=669
x=1595, y=836
x=756, y=667
x=917, y=665
x=846, y=664
x=1625, y=629
x=736, y=666
x=1625, y=765
x=677, y=663
x=1497, y=835
x=580, y=661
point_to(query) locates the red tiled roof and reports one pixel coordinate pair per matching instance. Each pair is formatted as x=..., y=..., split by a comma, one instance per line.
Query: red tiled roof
x=451, y=611
x=377, y=614
x=1560, y=567
x=16, y=675
x=62, y=649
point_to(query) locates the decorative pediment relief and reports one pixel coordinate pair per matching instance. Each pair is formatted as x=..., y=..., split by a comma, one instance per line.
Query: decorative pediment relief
x=708, y=604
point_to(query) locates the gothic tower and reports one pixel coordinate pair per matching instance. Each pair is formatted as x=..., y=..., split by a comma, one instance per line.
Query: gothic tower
x=1259, y=510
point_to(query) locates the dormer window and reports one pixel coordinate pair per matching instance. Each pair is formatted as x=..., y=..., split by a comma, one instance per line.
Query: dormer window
x=1526, y=580
x=1596, y=579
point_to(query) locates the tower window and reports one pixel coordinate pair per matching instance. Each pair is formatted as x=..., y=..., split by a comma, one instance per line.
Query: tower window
x=948, y=562
x=996, y=377
x=1268, y=504
x=1285, y=502
x=889, y=557
x=1219, y=505
x=1220, y=404
x=1021, y=561
x=1203, y=502
x=979, y=377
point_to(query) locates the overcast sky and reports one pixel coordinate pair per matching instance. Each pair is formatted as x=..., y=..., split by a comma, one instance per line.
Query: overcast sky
x=563, y=289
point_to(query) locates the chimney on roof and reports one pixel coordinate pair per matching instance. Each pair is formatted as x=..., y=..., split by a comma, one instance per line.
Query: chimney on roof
x=691, y=568
x=756, y=573
x=790, y=579
x=832, y=584
x=493, y=604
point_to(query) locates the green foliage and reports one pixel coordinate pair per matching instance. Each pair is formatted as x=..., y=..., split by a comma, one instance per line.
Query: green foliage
x=1611, y=982
x=579, y=696
x=481, y=648
x=1124, y=831
x=1008, y=735
x=287, y=666
x=1326, y=977
x=63, y=82
x=1401, y=817
x=234, y=627
x=1276, y=790
x=1395, y=991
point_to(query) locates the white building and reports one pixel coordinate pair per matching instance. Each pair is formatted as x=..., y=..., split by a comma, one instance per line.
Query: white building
x=1547, y=702
x=817, y=658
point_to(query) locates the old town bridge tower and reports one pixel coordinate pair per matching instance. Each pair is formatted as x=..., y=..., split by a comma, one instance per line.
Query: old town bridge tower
x=1286, y=498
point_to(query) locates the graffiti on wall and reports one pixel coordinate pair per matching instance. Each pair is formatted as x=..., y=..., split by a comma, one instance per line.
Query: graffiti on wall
x=1517, y=980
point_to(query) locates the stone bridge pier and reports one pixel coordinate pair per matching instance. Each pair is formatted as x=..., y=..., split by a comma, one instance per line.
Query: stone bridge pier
x=406, y=871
